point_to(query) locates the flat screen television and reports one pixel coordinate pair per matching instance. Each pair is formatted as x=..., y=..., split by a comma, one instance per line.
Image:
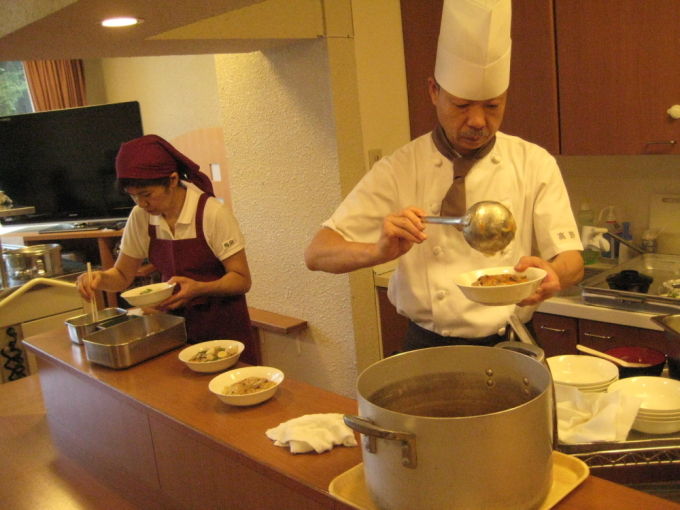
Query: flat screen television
x=62, y=162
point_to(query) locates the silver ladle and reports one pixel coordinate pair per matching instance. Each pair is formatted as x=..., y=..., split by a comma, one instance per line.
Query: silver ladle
x=487, y=226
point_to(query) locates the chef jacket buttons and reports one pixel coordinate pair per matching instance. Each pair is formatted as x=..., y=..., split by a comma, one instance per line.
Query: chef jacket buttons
x=435, y=207
x=437, y=161
x=437, y=251
x=441, y=294
x=495, y=159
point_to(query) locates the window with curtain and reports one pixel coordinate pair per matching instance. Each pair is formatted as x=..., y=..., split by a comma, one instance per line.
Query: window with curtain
x=14, y=94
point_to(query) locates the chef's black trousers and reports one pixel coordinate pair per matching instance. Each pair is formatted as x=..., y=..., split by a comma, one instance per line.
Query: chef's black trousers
x=419, y=338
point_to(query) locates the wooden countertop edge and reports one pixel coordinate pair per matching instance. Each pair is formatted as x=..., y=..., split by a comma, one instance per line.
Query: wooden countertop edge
x=594, y=492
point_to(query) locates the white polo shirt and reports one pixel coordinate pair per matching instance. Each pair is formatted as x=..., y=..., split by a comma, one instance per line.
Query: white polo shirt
x=220, y=227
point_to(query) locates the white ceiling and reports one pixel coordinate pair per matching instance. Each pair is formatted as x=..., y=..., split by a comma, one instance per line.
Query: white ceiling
x=53, y=29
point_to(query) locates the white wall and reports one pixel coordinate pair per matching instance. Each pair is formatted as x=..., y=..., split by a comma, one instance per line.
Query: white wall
x=277, y=118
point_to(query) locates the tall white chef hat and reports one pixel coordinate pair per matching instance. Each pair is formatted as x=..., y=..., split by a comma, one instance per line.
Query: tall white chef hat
x=473, y=52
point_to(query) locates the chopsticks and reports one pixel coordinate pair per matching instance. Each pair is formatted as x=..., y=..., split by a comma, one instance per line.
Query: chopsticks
x=93, y=300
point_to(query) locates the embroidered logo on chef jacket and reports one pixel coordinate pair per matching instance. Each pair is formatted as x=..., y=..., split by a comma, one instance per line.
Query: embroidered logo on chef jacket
x=563, y=235
x=228, y=244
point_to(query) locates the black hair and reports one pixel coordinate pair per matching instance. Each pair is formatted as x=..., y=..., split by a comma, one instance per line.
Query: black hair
x=123, y=183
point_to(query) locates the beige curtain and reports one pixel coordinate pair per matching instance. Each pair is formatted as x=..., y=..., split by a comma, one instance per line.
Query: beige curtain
x=55, y=84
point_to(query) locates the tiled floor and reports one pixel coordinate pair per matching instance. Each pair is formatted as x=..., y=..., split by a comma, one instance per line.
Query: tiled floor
x=32, y=475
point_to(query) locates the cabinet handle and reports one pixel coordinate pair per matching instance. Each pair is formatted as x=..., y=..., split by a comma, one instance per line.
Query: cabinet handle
x=554, y=330
x=662, y=142
x=601, y=337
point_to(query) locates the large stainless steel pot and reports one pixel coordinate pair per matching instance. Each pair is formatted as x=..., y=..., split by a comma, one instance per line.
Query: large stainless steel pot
x=27, y=262
x=456, y=427
x=671, y=325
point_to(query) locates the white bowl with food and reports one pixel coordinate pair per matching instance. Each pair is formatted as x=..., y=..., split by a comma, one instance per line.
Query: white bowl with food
x=211, y=355
x=246, y=386
x=498, y=286
x=148, y=295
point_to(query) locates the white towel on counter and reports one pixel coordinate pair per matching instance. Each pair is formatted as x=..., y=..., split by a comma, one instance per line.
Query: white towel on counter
x=593, y=417
x=312, y=432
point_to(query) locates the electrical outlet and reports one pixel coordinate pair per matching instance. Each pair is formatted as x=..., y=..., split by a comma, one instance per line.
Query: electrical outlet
x=374, y=156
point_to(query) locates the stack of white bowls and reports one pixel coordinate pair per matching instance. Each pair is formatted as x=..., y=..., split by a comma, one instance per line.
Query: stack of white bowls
x=659, y=411
x=587, y=373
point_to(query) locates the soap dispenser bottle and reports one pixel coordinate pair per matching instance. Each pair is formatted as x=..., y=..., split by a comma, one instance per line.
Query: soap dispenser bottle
x=612, y=225
x=625, y=253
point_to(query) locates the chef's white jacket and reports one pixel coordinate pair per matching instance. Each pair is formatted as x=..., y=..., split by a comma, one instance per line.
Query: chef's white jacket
x=521, y=175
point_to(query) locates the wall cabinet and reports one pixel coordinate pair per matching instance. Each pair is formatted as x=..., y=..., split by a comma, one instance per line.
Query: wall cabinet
x=618, y=75
x=559, y=335
x=587, y=78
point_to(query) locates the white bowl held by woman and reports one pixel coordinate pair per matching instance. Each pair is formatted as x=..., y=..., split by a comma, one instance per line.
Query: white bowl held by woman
x=499, y=295
x=212, y=355
x=148, y=295
x=221, y=384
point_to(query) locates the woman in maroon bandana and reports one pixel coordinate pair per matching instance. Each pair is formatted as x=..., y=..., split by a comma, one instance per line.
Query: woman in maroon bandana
x=188, y=235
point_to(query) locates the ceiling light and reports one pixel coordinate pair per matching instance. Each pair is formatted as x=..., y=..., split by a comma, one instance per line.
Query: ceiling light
x=121, y=22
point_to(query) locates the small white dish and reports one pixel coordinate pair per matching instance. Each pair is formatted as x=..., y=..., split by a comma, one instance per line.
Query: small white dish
x=206, y=364
x=499, y=295
x=219, y=385
x=148, y=295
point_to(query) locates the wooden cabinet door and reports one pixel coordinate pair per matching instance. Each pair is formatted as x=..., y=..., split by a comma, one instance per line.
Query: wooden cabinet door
x=392, y=325
x=603, y=336
x=555, y=334
x=531, y=111
x=618, y=75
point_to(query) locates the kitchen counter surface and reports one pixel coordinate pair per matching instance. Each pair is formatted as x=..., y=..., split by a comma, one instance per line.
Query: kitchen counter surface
x=194, y=436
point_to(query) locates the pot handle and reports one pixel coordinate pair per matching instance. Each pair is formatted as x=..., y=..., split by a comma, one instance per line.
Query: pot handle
x=366, y=427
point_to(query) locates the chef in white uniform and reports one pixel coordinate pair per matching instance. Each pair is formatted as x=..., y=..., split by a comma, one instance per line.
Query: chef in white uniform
x=464, y=160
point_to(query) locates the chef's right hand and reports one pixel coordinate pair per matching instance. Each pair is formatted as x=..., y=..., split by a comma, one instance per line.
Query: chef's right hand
x=86, y=287
x=400, y=231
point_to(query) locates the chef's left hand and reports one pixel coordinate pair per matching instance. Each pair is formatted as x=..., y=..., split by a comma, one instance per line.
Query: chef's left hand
x=188, y=290
x=550, y=284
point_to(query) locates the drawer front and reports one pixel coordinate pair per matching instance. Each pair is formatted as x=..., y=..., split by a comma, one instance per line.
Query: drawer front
x=555, y=334
x=603, y=336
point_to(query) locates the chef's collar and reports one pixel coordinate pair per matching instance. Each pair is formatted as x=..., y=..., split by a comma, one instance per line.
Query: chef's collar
x=445, y=147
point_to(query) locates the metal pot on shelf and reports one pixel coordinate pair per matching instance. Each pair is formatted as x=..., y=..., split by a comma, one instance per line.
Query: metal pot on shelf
x=456, y=427
x=27, y=262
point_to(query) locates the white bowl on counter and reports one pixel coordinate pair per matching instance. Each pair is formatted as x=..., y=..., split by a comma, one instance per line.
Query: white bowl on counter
x=499, y=295
x=220, y=385
x=207, y=357
x=659, y=397
x=587, y=373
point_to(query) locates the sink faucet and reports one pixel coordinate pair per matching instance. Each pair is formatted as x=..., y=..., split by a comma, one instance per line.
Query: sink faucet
x=593, y=238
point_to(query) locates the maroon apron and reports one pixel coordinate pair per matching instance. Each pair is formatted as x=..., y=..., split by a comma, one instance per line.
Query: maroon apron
x=207, y=317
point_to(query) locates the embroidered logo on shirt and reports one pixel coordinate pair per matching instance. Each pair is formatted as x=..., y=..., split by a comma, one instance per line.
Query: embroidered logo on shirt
x=228, y=244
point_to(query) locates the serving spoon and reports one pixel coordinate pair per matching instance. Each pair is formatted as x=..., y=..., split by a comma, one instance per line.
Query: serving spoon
x=613, y=359
x=487, y=226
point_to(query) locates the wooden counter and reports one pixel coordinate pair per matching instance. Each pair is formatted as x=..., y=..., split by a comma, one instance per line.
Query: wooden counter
x=156, y=433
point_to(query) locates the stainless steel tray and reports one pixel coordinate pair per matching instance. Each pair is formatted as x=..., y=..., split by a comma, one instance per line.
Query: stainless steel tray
x=135, y=340
x=596, y=291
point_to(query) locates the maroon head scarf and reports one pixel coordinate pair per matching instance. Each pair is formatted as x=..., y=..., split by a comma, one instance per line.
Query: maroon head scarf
x=152, y=157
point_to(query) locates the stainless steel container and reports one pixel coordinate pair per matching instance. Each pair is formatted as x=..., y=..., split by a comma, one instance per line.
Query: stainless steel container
x=456, y=427
x=83, y=325
x=27, y=262
x=136, y=340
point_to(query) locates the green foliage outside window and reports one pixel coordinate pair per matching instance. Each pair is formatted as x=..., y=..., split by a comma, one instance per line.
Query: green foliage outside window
x=14, y=96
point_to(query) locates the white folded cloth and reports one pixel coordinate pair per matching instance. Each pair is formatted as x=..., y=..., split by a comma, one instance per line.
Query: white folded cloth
x=312, y=432
x=593, y=417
